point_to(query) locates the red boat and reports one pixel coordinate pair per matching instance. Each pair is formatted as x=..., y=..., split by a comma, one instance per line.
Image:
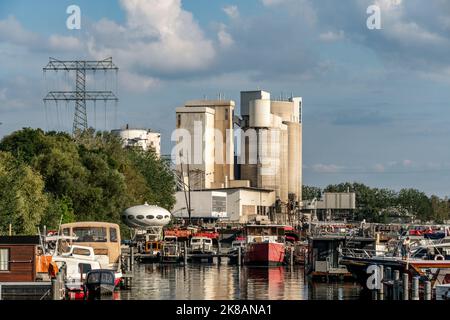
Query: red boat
x=265, y=245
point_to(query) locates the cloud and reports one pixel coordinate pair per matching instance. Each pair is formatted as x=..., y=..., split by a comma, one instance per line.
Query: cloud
x=225, y=39
x=159, y=39
x=331, y=36
x=326, y=168
x=231, y=11
x=379, y=168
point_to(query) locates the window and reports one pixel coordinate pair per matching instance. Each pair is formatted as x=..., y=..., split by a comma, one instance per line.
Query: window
x=112, y=234
x=226, y=114
x=179, y=120
x=159, y=217
x=4, y=259
x=66, y=232
x=84, y=268
x=140, y=217
x=90, y=234
x=150, y=217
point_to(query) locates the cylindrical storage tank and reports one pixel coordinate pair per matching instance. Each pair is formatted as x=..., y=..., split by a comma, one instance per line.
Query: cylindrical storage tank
x=250, y=153
x=284, y=173
x=259, y=112
x=300, y=163
x=294, y=161
x=145, y=216
x=269, y=169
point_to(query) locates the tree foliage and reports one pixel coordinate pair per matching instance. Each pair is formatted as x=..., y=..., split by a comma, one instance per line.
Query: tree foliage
x=372, y=202
x=91, y=179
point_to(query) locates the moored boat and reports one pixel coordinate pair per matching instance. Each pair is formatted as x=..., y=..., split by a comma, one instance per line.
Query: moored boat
x=265, y=245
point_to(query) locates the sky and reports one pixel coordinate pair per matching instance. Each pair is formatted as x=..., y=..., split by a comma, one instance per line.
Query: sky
x=375, y=101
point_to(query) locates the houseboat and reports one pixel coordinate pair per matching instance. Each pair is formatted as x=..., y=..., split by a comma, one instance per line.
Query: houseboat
x=324, y=255
x=430, y=261
x=265, y=245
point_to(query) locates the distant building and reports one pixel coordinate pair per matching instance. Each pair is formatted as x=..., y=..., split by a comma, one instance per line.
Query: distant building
x=225, y=204
x=202, y=119
x=267, y=154
x=278, y=127
x=142, y=138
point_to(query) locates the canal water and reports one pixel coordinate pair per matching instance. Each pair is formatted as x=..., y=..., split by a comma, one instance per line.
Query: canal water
x=228, y=282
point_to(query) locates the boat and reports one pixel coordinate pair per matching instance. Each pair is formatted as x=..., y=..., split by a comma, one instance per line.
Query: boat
x=201, y=245
x=265, y=245
x=170, y=250
x=429, y=261
x=102, y=237
x=99, y=283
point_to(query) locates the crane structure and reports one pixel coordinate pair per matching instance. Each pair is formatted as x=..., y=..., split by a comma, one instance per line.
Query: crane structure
x=80, y=95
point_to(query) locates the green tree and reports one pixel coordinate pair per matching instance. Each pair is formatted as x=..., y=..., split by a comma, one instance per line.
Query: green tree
x=416, y=202
x=22, y=197
x=310, y=192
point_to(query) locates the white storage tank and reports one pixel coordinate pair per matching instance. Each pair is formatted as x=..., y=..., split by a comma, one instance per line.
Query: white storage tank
x=260, y=116
x=146, y=216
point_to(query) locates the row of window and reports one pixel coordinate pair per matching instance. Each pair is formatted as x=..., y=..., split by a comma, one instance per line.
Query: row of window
x=150, y=217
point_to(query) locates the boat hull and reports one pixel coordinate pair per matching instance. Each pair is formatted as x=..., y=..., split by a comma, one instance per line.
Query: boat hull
x=264, y=253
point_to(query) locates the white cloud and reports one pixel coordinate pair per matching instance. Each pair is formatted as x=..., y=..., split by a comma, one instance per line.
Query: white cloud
x=331, y=36
x=12, y=31
x=231, y=11
x=133, y=82
x=407, y=163
x=61, y=43
x=379, y=167
x=326, y=168
x=225, y=39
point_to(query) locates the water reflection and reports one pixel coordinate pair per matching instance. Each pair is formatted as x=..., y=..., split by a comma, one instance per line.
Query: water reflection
x=224, y=282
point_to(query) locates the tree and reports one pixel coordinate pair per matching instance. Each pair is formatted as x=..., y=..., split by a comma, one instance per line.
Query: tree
x=158, y=176
x=416, y=202
x=310, y=192
x=22, y=197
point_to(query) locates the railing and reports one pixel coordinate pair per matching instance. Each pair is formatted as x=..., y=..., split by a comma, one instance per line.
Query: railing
x=360, y=253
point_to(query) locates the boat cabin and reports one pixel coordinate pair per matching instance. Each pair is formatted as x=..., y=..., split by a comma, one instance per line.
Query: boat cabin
x=265, y=233
x=104, y=237
x=324, y=253
x=18, y=258
x=201, y=244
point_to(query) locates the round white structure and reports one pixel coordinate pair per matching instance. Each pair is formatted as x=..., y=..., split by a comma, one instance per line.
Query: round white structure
x=260, y=113
x=146, y=216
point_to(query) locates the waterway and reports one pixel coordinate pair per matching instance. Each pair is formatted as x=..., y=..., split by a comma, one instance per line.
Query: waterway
x=226, y=282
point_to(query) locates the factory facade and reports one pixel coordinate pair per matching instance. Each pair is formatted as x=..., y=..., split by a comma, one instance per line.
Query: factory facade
x=257, y=154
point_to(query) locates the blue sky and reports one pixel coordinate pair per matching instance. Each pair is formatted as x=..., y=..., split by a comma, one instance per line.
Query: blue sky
x=376, y=102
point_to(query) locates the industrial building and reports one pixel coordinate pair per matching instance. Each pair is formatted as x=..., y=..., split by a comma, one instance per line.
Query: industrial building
x=277, y=126
x=225, y=204
x=142, y=138
x=265, y=163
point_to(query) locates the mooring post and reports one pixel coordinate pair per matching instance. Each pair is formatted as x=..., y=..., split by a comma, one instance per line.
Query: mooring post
x=131, y=258
x=415, y=288
x=388, y=273
x=427, y=290
x=291, y=256
x=54, y=289
x=381, y=283
x=396, y=275
x=239, y=255
x=185, y=254
x=405, y=286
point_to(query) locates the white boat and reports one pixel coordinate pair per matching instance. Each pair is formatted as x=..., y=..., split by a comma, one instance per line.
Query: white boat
x=201, y=245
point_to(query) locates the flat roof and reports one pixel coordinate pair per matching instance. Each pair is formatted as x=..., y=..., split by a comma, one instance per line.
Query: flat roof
x=206, y=103
x=238, y=188
x=19, y=240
